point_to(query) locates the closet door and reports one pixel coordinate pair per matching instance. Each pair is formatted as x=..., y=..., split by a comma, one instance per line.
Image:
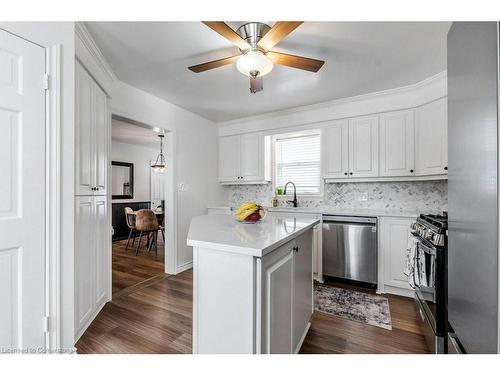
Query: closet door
x=101, y=125
x=363, y=147
x=101, y=262
x=84, y=261
x=84, y=132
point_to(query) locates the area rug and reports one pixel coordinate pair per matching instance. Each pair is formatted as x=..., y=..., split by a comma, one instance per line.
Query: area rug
x=360, y=307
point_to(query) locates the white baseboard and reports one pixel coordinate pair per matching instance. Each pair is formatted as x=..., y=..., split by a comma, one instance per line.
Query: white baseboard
x=183, y=267
x=84, y=328
x=297, y=349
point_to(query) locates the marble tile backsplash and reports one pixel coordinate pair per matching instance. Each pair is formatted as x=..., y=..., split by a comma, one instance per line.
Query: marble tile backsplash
x=419, y=196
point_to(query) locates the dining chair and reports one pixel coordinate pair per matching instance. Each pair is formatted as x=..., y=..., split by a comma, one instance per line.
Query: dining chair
x=130, y=220
x=146, y=222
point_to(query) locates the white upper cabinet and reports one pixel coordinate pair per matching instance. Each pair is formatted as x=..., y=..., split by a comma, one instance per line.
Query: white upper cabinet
x=91, y=141
x=363, y=146
x=335, y=149
x=432, y=138
x=251, y=157
x=244, y=159
x=229, y=158
x=397, y=140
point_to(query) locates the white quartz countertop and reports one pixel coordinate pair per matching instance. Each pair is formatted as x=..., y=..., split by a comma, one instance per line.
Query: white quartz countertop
x=340, y=212
x=224, y=233
x=345, y=212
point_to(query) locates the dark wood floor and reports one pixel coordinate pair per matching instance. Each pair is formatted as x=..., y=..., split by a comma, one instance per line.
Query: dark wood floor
x=330, y=334
x=129, y=269
x=155, y=316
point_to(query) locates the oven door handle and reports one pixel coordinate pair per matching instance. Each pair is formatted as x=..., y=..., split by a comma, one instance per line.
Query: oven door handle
x=428, y=247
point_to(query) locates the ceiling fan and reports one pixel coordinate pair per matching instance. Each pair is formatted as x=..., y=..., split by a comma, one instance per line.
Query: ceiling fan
x=255, y=40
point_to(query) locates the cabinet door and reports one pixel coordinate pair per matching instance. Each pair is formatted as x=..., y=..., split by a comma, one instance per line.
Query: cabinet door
x=251, y=155
x=101, y=263
x=432, y=138
x=277, y=300
x=84, y=261
x=101, y=124
x=84, y=137
x=335, y=149
x=303, y=287
x=229, y=158
x=397, y=139
x=363, y=146
x=393, y=244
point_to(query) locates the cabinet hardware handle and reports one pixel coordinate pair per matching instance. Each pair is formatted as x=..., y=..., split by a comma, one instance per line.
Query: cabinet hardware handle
x=345, y=173
x=350, y=173
x=411, y=170
x=445, y=168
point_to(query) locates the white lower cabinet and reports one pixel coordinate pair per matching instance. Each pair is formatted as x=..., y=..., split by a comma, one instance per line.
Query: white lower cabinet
x=91, y=259
x=247, y=304
x=393, y=242
x=287, y=297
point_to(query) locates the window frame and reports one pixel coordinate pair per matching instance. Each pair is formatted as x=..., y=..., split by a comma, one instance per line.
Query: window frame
x=297, y=134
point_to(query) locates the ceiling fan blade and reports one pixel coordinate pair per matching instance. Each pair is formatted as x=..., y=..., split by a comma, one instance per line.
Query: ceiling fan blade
x=213, y=64
x=256, y=84
x=223, y=29
x=278, y=32
x=294, y=61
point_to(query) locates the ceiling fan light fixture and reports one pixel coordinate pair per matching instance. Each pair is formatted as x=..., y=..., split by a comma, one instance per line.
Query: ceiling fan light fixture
x=254, y=61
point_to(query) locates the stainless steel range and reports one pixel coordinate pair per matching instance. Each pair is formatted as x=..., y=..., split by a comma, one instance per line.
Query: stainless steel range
x=427, y=270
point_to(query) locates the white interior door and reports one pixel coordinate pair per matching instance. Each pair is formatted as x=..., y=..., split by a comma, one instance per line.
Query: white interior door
x=102, y=121
x=84, y=120
x=85, y=259
x=22, y=193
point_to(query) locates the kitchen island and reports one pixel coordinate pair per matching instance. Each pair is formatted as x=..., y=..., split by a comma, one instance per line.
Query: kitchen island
x=252, y=283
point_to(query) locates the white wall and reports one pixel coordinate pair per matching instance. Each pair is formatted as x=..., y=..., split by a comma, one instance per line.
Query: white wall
x=48, y=34
x=140, y=156
x=194, y=148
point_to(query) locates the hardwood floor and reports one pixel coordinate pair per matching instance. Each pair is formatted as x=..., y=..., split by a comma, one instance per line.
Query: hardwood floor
x=129, y=269
x=331, y=334
x=155, y=316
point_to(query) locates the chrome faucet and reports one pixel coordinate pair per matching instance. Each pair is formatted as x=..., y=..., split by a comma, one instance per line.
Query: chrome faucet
x=294, y=201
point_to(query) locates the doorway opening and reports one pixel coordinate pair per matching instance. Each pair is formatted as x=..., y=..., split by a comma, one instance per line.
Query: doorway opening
x=138, y=196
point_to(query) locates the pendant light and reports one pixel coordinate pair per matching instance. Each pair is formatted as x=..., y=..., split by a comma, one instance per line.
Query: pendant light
x=159, y=165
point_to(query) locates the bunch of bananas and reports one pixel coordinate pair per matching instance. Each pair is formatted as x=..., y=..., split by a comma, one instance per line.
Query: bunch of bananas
x=249, y=211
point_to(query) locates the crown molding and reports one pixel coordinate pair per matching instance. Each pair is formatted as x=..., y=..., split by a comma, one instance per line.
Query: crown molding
x=410, y=96
x=437, y=78
x=90, y=55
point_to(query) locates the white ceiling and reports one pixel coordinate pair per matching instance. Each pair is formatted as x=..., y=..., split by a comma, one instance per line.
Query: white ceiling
x=361, y=57
x=132, y=134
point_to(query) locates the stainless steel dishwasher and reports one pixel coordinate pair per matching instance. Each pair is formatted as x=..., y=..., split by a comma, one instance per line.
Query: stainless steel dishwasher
x=350, y=248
